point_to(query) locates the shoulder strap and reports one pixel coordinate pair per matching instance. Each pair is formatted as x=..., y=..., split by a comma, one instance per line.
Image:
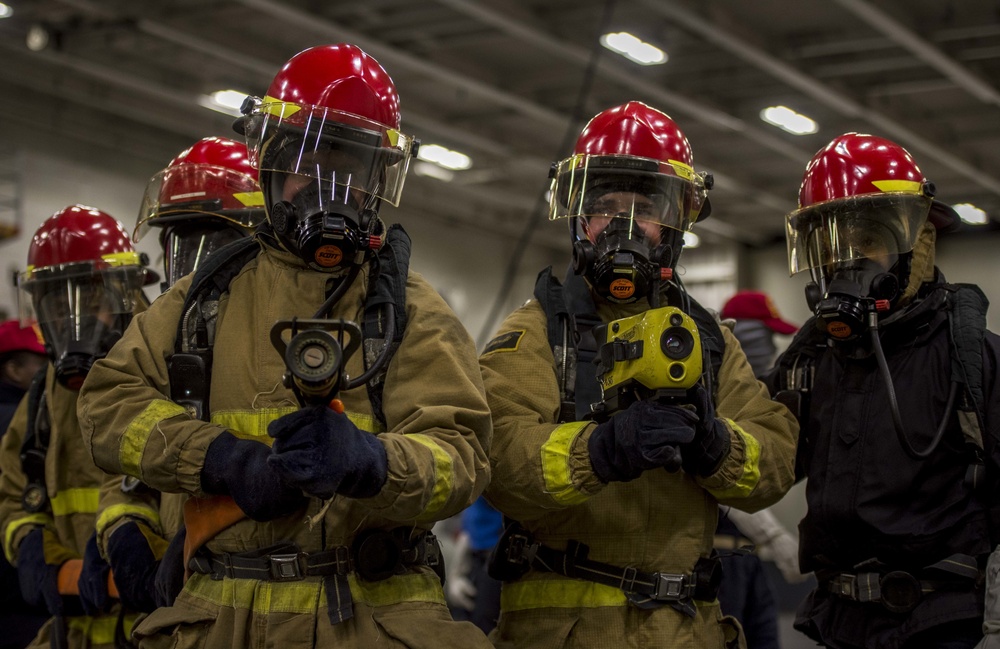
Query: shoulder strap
x=35, y=445
x=386, y=286
x=967, y=306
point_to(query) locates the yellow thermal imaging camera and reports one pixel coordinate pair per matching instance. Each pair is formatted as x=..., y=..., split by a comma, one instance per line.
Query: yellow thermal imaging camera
x=653, y=355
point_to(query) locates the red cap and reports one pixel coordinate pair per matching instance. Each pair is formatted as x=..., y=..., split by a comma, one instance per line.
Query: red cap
x=15, y=338
x=754, y=305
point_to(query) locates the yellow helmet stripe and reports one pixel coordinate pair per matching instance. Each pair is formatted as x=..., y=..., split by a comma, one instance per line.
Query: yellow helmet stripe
x=899, y=186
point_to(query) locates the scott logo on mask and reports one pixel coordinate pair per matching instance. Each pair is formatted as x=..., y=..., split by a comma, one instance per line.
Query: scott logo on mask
x=328, y=256
x=622, y=289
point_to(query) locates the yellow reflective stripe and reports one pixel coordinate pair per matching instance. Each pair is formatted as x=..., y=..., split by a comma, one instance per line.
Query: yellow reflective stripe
x=903, y=186
x=444, y=474
x=250, y=199
x=82, y=500
x=115, y=513
x=751, y=467
x=393, y=136
x=121, y=258
x=100, y=630
x=137, y=434
x=415, y=587
x=557, y=593
x=254, y=423
x=309, y=596
x=682, y=170
x=18, y=523
x=278, y=108
x=555, y=464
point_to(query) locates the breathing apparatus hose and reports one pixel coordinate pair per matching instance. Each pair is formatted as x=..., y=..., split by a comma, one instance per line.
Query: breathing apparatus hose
x=897, y=420
x=383, y=357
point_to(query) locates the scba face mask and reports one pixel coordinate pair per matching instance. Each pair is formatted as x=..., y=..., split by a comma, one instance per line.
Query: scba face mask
x=846, y=298
x=326, y=226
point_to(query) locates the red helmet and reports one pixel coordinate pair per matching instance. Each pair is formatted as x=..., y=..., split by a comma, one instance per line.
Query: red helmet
x=860, y=188
x=327, y=143
x=82, y=282
x=212, y=179
x=631, y=147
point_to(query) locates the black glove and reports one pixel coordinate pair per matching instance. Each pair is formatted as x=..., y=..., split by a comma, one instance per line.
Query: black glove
x=170, y=573
x=238, y=468
x=704, y=455
x=39, y=580
x=644, y=436
x=93, y=581
x=323, y=453
x=132, y=550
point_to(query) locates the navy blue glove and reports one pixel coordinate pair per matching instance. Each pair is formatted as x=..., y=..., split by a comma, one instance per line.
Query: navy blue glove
x=238, y=468
x=170, y=573
x=323, y=453
x=710, y=446
x=39, y=580
x=133, y=559
x=93, y=581
x=644, y=436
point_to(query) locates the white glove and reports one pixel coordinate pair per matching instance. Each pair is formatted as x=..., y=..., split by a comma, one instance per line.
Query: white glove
x=991, y=621
x=458, y=588
x=774, y=542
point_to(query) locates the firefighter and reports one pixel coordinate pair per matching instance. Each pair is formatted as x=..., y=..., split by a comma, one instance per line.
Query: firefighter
x=615, y=520
x=206, y=197
x=894, y=383
x=82, y=284
x=309, y=518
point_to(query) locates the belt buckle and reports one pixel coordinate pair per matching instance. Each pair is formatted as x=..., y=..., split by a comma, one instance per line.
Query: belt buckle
x=521, y=549
x=667, y=586
x=285, y=567
x=844, y=585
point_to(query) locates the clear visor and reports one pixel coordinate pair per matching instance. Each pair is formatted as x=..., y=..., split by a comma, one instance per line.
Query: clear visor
x=331, y=146
x=878, y=227
x=601, y=188
x=200, y=192
x=186, y=246
x=72, y=301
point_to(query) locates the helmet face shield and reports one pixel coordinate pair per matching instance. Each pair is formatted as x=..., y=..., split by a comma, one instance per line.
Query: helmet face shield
x=301, y=143
x=81, y=310
x=875, y=227
x=187, y=244
x=200, y=191
x=643, y=191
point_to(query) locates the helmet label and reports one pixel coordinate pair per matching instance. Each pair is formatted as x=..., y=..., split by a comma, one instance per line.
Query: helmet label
x=622, y=288
x=328, y=256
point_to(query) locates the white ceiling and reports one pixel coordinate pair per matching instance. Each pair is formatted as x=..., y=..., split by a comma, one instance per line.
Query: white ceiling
x=501, y=81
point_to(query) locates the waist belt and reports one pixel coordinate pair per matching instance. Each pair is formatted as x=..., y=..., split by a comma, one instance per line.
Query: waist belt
x=644, y=589
x=899, y=591
x=375, y=555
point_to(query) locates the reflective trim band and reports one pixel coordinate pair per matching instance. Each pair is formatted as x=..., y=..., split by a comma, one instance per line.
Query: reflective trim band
x=18, y=523
x=555, y=464
x=278, y=108
x=254, y=423
x=115, y=513
x=682, y=170
x=250, y=199
x=308, y=596
x=137, y=434
x=444, y=474
x=121, y=259
x=558, y=593
x=82, y=500
x=903, y=186
x=751, y=467
x=100, y=630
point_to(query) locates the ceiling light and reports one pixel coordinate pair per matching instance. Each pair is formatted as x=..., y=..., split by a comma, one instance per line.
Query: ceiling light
x=6, y=11
x=634, y=49
x=444, y=157
x=971, y=214
x=787, y=119
x=432, y=170
x=37, y=38
x=224, y=101
x=691, y=240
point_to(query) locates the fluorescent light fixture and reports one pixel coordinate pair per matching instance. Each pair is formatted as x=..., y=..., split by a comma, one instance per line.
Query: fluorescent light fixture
x=634, y=49
x=224, y=101
x=6, y=11
x=444, y=157
x=787, y=119
x=37, y=38
x=691, y=240
x=971, y=214
x=432, y=170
